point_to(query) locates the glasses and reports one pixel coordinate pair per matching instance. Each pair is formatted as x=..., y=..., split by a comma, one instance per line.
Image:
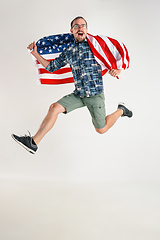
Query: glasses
x=76, y=26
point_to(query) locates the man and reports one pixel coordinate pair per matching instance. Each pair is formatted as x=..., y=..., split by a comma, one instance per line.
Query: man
x=88, y=91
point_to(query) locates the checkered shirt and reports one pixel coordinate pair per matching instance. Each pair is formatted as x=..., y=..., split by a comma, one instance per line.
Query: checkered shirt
x=87, y=73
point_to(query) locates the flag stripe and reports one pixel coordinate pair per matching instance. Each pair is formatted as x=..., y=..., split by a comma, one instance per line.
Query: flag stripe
x=114, y=52
x=57, y=81
x=56, y=76
x=98, y=51
x=127, y=58
x=120, y=46
x=107, y=51
x=60, y=71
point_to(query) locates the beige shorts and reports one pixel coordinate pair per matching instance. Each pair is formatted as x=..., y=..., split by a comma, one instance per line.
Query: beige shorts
x=95, y=105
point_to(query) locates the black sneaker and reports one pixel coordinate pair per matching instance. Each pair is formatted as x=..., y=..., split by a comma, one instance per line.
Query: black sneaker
x=27, y=142
x=126, y=111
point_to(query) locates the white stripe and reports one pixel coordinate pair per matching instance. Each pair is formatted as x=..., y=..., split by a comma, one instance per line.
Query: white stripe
x=99, y=49
x=50, y=56
x=114, y=51
x=125, y=59
x=55, y=76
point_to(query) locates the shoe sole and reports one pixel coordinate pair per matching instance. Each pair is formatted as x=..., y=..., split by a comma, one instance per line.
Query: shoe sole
x=121, y=103
x=21, y=144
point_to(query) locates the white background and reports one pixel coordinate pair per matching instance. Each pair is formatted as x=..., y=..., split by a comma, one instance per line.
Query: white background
x=73, y=153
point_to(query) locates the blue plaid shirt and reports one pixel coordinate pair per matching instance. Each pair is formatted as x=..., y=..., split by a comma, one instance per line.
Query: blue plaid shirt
x=87, y=73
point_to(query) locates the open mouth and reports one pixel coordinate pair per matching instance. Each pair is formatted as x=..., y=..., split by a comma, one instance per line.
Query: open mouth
x=80, y=34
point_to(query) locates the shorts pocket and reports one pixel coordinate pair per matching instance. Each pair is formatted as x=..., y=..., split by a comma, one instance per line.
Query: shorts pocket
x=99, y=111
x=98, y=114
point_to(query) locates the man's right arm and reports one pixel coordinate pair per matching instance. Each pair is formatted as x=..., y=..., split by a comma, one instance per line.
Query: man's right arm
x=34, y=52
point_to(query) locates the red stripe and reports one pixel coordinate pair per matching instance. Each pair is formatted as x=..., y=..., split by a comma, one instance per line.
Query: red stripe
x=63, y=81
x=120, y=50
x=104, y=72
x=59, y=71
x=127, y=56
x=97, y=54
x=107, y=52
x=55, y=81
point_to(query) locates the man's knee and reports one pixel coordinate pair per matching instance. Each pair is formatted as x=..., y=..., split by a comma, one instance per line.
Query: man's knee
x=101, y=130
x=56, y=108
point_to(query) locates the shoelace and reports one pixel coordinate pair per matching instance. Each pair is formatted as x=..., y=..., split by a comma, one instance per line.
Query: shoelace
x=27, y=135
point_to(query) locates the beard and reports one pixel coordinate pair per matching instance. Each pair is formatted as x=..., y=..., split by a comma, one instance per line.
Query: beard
x=80, y=36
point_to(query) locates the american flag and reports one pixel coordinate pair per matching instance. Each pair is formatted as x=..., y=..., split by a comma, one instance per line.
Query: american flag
x=108, y=52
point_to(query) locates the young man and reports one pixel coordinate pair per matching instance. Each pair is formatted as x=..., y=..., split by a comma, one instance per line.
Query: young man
x=88, y=91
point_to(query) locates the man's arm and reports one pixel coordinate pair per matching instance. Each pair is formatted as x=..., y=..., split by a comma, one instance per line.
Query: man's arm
x=34, y=52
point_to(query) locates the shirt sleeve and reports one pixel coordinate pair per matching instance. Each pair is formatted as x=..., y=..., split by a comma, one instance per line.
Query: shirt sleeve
x=57, y=63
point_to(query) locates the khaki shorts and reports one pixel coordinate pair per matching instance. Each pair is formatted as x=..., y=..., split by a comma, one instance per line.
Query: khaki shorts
x=95, y=105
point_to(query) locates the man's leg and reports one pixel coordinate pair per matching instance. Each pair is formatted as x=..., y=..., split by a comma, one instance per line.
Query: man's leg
x=110, y=121
x=112, y=118
x=65, y=105
x=30, y=143
x=48, y=121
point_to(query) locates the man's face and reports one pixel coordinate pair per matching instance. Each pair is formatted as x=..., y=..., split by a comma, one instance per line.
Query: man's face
x=78, y=30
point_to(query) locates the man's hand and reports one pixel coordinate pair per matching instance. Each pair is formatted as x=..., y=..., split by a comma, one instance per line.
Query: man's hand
x=33, y=48
x=115, y=72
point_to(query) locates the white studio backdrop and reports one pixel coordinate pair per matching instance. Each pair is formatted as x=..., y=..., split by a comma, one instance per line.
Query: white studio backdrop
x=73, y=151
x=80, y=185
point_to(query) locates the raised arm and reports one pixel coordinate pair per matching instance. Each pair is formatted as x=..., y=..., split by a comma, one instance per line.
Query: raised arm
x=34, y=52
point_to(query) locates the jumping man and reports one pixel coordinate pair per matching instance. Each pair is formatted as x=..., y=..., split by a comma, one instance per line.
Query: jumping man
x=88, y=92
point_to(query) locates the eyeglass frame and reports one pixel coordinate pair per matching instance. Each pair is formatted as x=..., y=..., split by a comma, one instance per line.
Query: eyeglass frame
x=80, y=25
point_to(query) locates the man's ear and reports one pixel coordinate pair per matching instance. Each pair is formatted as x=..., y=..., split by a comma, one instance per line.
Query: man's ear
x=71, y=30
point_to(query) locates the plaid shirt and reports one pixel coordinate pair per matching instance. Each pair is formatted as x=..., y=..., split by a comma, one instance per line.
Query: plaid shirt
x=87, y=73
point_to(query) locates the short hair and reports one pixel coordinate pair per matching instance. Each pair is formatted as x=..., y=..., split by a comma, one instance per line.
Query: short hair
x=76, y=19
